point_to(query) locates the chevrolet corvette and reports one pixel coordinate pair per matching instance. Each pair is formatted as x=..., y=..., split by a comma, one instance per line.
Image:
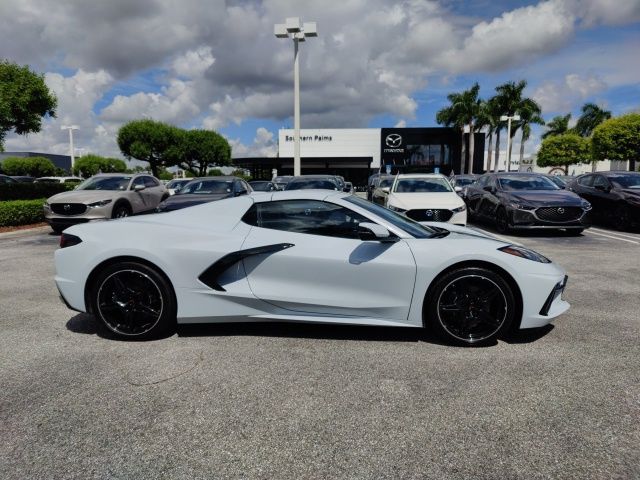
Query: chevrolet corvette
x=303, y=256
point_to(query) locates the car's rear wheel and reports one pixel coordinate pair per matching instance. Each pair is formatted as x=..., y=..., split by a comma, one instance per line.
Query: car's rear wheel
x=134, y=301
x=470, y=306
x=121, y=210
x=502, y=221
x=621, y=219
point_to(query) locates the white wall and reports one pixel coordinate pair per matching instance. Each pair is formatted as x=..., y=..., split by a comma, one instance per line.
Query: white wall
x=332, y=143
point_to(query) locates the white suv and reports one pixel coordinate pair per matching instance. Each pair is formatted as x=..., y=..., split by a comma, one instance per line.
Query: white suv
x=426, y=197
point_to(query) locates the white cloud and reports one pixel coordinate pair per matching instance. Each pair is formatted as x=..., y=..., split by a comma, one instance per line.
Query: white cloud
x=263, y=145
x=558, y=97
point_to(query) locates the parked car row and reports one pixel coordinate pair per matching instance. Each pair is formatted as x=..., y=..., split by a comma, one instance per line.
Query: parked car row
x=27, y=179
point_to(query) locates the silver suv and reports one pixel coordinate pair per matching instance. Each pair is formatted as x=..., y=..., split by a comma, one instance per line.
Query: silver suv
x=103, y=196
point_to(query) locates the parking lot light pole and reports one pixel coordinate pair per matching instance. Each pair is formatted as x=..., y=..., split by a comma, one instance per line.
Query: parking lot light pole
x=508, y=119
x=71, y=128
x=298, y=33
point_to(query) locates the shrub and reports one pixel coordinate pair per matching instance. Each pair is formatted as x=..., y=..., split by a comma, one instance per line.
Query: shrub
x=29, y=191
x=21, y=212
x=89, y=165
x=30, y=166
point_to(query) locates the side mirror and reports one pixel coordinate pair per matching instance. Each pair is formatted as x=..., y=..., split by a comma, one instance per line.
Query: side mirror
x=457, y=189
x=602, y=188
x=139, y=188
x=348, y=186
x=372, y=231
x=488, y=188
x=240, y=192
x=385, y=190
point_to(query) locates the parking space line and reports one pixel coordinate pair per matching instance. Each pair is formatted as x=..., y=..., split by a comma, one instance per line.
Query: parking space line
x=615, y=238
x=633, y=237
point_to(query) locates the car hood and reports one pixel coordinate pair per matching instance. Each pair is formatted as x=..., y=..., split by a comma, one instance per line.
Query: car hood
x=458, y=231
x=84, y=196
x=544, y=198
x=631, y=192
x=187, y=200
x=411, y=201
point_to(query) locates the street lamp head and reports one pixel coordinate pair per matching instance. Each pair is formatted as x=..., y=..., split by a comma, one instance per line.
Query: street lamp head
x=516, y=118
x=280, y=30
x=310, y=29
x=293, y=24
x=504, y=118
x=300, y=36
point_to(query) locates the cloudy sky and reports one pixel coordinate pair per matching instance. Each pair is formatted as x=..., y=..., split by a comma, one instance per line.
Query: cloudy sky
x=376, y=63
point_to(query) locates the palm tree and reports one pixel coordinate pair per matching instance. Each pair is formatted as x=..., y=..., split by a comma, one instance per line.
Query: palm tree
x=530, y=112
x=508, y=101
x=557, y=126
x=592, y=116
x=489, y=118
x=463, y=111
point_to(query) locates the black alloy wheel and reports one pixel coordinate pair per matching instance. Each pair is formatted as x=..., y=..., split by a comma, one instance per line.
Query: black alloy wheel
x=134, y=301
x=502, y=221
x=121, y=211
x=471, y=306
x=621, y=218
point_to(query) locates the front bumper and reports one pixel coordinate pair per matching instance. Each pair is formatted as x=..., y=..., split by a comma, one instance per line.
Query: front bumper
x=90, y=215
x=527, y=219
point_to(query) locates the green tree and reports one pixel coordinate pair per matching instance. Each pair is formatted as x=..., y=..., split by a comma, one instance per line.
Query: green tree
x=618, y=139
x=214, y=172
x=30, y=166
x=153, y=142
x=592, y=116
x=564, y=150
x=240, y=173
x=530, y=113
x=558, y=125
x=89, y=165
x=201, y=149
x=489, y=118
x=508, y=101
x=24, y=100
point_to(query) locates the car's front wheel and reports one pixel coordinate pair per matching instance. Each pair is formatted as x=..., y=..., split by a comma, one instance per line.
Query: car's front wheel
x=121, y=210
x=134, y=301
x=502, y=221
x=470, y=306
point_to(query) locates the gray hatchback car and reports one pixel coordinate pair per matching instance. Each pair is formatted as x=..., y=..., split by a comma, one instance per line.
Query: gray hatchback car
x=104, y=196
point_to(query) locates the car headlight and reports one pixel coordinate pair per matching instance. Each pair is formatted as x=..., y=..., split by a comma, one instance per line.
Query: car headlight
x=101, y=203
x=396, y=209
x=586, y=205
x=459, y=209
x=524, y=253
x=46, y=206
x=521, y=206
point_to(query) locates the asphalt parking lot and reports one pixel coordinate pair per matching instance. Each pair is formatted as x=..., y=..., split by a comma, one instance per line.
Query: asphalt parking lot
x=307, y=401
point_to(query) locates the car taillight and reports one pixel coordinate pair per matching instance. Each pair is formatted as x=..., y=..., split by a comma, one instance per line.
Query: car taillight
x=68, y=240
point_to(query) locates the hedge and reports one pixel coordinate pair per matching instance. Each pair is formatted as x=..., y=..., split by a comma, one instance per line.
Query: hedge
x=21, y=212
x=30, y=191
x=32, y=166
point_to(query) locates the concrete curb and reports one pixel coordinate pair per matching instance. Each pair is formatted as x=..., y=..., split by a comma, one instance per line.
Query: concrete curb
x=26, y=231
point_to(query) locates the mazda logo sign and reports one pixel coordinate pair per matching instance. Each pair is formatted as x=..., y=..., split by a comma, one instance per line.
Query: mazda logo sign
x=393, y=140
x=428, y=213
x=67, y=207
x=561, y=210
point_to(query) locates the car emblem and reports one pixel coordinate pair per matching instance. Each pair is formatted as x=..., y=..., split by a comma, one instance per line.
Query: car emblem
x=393, y=140
x=560, y=210
x=67, y=207
x=428, y=213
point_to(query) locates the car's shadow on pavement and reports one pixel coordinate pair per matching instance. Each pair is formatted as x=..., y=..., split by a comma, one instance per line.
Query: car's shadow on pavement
x=87, y=324
x=533, y=233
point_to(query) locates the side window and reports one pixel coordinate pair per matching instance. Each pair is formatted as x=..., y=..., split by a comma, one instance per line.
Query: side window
x=482, y=181
x=586, y=181
x=600, y=181
x=312, y=217
x=137, y=181
x=150, y=182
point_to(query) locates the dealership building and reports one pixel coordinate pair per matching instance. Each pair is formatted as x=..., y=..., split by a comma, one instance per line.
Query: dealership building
x=355, y=153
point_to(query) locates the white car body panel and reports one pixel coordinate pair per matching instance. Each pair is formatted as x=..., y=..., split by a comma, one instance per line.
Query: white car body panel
x=320, y=279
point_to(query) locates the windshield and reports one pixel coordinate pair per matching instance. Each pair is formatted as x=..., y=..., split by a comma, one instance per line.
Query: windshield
x=309, y=184
x=105, y=183
x=526, y=182
x=625, y=181
x=207, y=187
x=406, y=224
x=558, y=181
x=260, y=186
x=386, y=182
x=463, y=182
x=177, y=184
x=421, y=185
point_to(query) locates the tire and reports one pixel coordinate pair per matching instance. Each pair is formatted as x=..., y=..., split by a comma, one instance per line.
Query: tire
x=57, y=229
x=574, y=232
x=470, y=306
x=622, y=219
x=502, y=221
x=121, y=210
x=134, y=301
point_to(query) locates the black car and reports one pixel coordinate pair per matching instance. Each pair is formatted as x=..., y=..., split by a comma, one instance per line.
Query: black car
x=23, y=179
x=306, y=182
x=204, y=190
x=559, y=180
x=263, y=186
x=460, y=182
x=526, y=201
x=7, y=179
x=615, y=196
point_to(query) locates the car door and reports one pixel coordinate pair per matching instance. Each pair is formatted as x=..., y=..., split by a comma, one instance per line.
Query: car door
x=154, y=192
x=584, y=187
x=136, y=198
x=474, y=194
x=328, y=269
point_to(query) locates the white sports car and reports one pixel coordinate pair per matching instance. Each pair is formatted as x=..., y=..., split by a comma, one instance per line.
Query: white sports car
x=303, y=256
